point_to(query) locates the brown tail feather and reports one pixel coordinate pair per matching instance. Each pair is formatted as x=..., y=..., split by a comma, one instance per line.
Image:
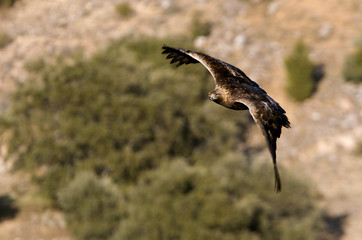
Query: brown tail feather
x=278, y=183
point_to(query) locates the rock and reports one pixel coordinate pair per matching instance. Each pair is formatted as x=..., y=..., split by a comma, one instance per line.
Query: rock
x=200, y=41
x=240, y=40
x=165, y=4
x=273, y=7
x=325, y=31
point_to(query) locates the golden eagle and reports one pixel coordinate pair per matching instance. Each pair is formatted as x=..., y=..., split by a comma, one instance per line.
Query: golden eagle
x=237, y=91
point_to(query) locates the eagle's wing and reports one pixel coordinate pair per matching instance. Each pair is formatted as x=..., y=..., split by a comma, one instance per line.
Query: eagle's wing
x=270, y=118
x=220, y=70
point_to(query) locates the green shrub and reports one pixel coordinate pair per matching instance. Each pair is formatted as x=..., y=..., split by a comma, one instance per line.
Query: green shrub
x=127, y=114
x=91, y=206
x=7, y=3
x=8, y=207
x=226, y=201
x=299, y=73
x=56, y=177
x=35, y=65
x=5, y=40
x=122, y=112
x=124, y=10
x=199, y=27
x=358, y=149
x=353, y=66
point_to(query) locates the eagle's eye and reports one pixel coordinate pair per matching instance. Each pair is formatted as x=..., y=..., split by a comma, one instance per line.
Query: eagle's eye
x=213, y=97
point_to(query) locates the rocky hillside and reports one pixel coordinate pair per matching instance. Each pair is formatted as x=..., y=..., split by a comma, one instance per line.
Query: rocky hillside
x=255, y=35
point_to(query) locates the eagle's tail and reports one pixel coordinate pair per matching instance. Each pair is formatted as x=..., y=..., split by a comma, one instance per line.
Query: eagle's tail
x=277, y=182
x=271, y=124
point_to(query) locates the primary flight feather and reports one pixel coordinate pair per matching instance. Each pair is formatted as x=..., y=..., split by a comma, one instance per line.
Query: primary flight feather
x=235, y=90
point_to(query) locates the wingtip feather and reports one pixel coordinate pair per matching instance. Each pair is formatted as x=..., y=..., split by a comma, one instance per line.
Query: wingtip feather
x=166, y=49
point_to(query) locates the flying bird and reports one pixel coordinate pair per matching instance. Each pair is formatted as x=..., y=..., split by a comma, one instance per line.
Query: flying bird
x=235, y=90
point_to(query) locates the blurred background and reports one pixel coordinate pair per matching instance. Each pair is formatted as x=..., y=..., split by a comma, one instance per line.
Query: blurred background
x=101, y=138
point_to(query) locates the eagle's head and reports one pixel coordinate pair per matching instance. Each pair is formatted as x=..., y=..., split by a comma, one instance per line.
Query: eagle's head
x=215, y=96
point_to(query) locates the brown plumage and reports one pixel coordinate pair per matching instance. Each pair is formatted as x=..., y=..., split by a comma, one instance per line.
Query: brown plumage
x=235, y=90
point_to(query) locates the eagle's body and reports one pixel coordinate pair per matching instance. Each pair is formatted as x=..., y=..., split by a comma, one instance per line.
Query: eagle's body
x=235, y=90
